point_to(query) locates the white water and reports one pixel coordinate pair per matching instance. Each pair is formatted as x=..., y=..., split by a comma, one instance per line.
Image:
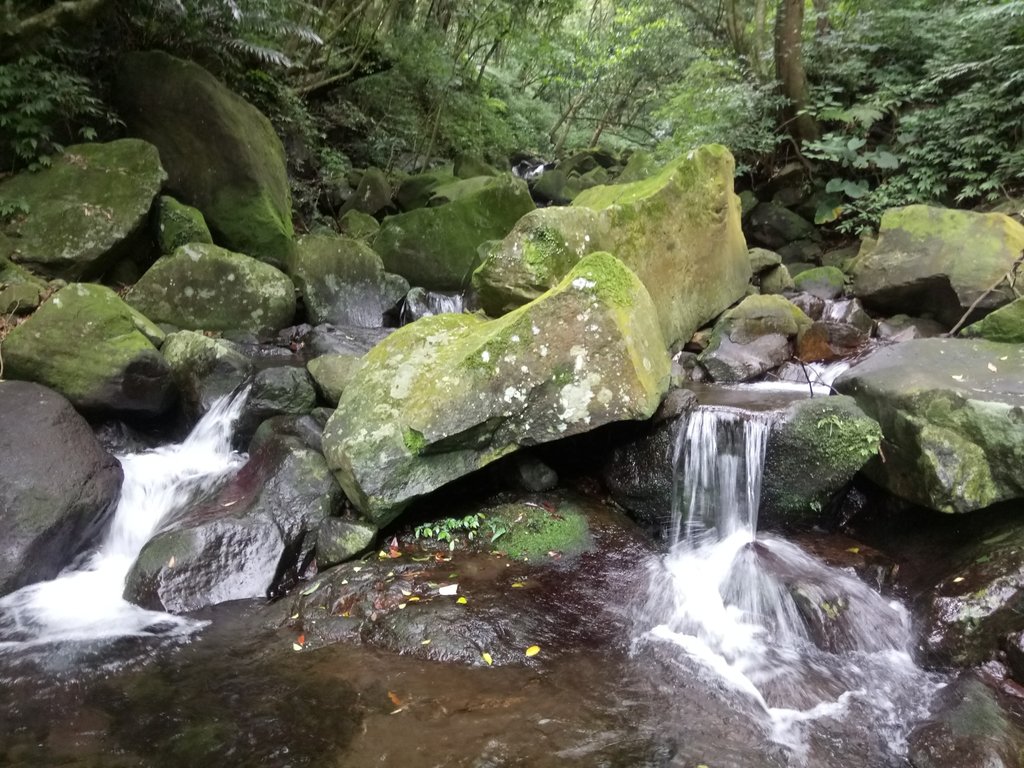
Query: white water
x=84, y=602
x=804, y=643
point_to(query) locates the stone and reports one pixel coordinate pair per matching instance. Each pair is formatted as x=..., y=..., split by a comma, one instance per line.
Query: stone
x=437, y=247
x=748, y=202
x=824, y=282
x=828, y=341
x=419, y=302
x=639, y=474
x=85, y=212
x=470, y=166
x=776, y=280
x=283, y=390
x=449, y=394
x=773, y=226
x=57, y=484
x=1006, y=324
x=94, y=349
x=204, y=368
x=221, y=153
x=849, y=312
x=938, y=261
x=533, y=475
x=905, y=327
x=206, y=288
x=358, y=226
x=762, y=260
x=176, y=224
x=332, y=373
x=21, y=292
x=372, y=195
x=554, y=187
x=810, y=305
x=813, y=452
x=752, y=338
x=952, y=412
x=341, y=281
x=329, y=339
x=415, y=191
x=339, y=539
x=801, y=255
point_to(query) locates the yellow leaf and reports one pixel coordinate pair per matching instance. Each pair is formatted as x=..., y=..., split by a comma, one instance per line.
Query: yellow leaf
x=414, y=599
x=425, y=642
x=462, y=601
x=296, y=647
x=854, y=550
x=487, y=658
x=517, y=585
x=958, y=579
x=533, y=650
x=992, y=368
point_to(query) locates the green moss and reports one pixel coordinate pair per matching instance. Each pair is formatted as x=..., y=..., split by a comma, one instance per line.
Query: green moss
x=178, y=224
x=413, y=440
x=532, y=532
x=844, y=439
x=1006, y=325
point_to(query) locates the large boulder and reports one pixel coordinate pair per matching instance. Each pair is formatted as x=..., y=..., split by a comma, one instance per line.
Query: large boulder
x=204, y=368
x=341, y=281
x=85, y=212
x=773, y=226
x=221, y=153
x=241, y=543
x=203, y=287
x=56, y=483
x=95, y=350
x=952, y=413
x=939, y=261
x=1006, y=324
x=436, y=247
x=449, y=394
x=679, y=231
x=176, y=224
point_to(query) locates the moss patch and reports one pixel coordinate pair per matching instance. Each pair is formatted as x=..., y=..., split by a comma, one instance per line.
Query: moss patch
x=532, y=532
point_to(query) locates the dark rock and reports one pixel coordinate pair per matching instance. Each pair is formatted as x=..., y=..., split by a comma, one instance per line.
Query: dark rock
x=285, y=390
x=800, y=255
x=533, y=475
x=372, y=195
x=639, y=474
x=905, y=328
x=204, y=368
x=773, y=226
x=825, y=342
x=824, y=282
x=339, y=540
x=330, y=339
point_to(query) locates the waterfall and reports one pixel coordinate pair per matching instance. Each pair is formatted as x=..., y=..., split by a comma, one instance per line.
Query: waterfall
x=84, y=602
x=800, y=641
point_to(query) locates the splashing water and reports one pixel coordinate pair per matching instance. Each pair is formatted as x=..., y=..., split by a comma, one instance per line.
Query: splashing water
x=84, y=602
x=800, y=641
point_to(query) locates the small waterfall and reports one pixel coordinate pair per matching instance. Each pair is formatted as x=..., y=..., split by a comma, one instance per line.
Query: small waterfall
x=84, y=602
x=799, y=641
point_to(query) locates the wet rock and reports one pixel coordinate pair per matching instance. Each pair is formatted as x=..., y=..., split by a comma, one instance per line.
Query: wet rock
x=762, y=260
x=95, y=350
x=639, y=474
x=176, y=224
x=826, y=341
x=205, y=288
x=420, y=302
x=813, y=451
x=849, y=312
x=917, y=264
x=330, y=339
x=85, y=212
x=338, y=540
x=905, y=328
x=952, y=413
x=284, y=390
x=824, y=282
x=332, y=373
x=57, y=484
x=359, y=226
x=773, y=226
x=204, y=368
x=810, y=305
x=449, y=394
x=1006, y=324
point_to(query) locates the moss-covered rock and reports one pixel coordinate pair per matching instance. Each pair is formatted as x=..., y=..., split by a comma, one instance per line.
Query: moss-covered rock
x=824, y=282
x=339, y=539
x=534, y=257
x=372, y=195
x=1006, y=324
x=555, y=187
x=753, y=338
x=773, y=226
x=20, y=290
x=176, y=224
x=449, y=394
x=437, y=247
x=332, y=373
x=358, y=226
x=341, y=281
x=939, y=261
x=775, y=280
x=85, y=212
x=468, y=166
x=221, y=153
x=762, y=260
x=415, y=191
x=813, y=451
x=531, y=532
x=206, y=288
x=204, y=368
x=95, y=350
x=952, y=413
x=639, y=166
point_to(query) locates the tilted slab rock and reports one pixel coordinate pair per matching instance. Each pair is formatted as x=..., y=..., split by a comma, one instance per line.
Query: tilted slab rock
x=449, y=394
x=952, y=416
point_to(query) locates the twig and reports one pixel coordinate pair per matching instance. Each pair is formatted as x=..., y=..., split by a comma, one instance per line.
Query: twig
x=1010, y=276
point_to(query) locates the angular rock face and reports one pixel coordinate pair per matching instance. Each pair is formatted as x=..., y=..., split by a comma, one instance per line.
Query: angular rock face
x=952, y=413
x=449, y=394
x=85, y=211
x=939, y=261
x=775, y=227
x=221, y=154
x=56, y=484
x=679, y=231
x=176, y=224
x=1006, y=324
x=205, y=288
x=204, y=368
x=437, y=247
x=95, y=350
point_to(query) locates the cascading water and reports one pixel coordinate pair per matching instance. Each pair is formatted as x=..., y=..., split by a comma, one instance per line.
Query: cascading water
x=84, y=602
x=800, y=641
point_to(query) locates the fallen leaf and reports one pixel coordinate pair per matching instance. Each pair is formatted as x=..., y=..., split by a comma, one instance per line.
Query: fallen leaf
x=992, y=368
x=448, y=589
x=854, y=550
x=414, y=599
x=357, y=568
x=533, y=650
x=401, y=606
x=425, y=642
x=487, y=658
x=957, y=377
x=301, y=639
x=406, y=592
x=462, y=601
x=311, y=588
x=958, y=579
x=296, y=647
x=518, y=585
x=394, y=698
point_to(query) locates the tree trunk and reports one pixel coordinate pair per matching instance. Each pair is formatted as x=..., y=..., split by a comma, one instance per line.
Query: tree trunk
x=789, y=69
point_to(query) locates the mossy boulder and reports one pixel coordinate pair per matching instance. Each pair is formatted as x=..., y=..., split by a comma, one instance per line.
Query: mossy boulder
x=332, y=373
x=85, y=212
x=94, y=349
x=206, y=288
x=449, y=394
x=535, y=256
x=813, y=451
x=469, y=166
x=221, y=153
x=339, y=539
x=774, y=226
x=358, y=226
x=437, y=247
x=1006, y=324
x=204, y=368
x=176, y=224
x=938, y=261
x=555, y=187
x=20, y=290
x=639, y=166
x=824, y=282
x=753, y=338
x=952, y=413
x=372, y=195
x=341, y=281
x=775, y=280
x=762, y=260
x=415, y=191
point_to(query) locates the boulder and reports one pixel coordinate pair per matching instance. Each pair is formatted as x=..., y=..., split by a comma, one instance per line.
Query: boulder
x=952, y=413
x=95, y=350
x=813, y=451
x=848, y=312
x=20, y=291
x=679, y=231
x=776, y=280
x=762, y=260
x=341, y=281
x=554, y=187
x=339, y=539
x=415, y=191
x=449, y=394
x=824, y=282
x=358, y=226
x=332, y=373
x=470, y=166
x=57, y=484
x=241, y=543
x=85, y=212
x=176, y=224
x=204, y=368
x=938, y=261
x=1006, y=324
x=419, y=302
x=437, y=247
x=372, y=195
x=640, y=166
x=639, y=474
x=824, y=342
x=329, y=339
x=773, y=226
x=753, y=338
x=206, y=288
x=905, y=328
x=279, y=391
x=221, y=153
